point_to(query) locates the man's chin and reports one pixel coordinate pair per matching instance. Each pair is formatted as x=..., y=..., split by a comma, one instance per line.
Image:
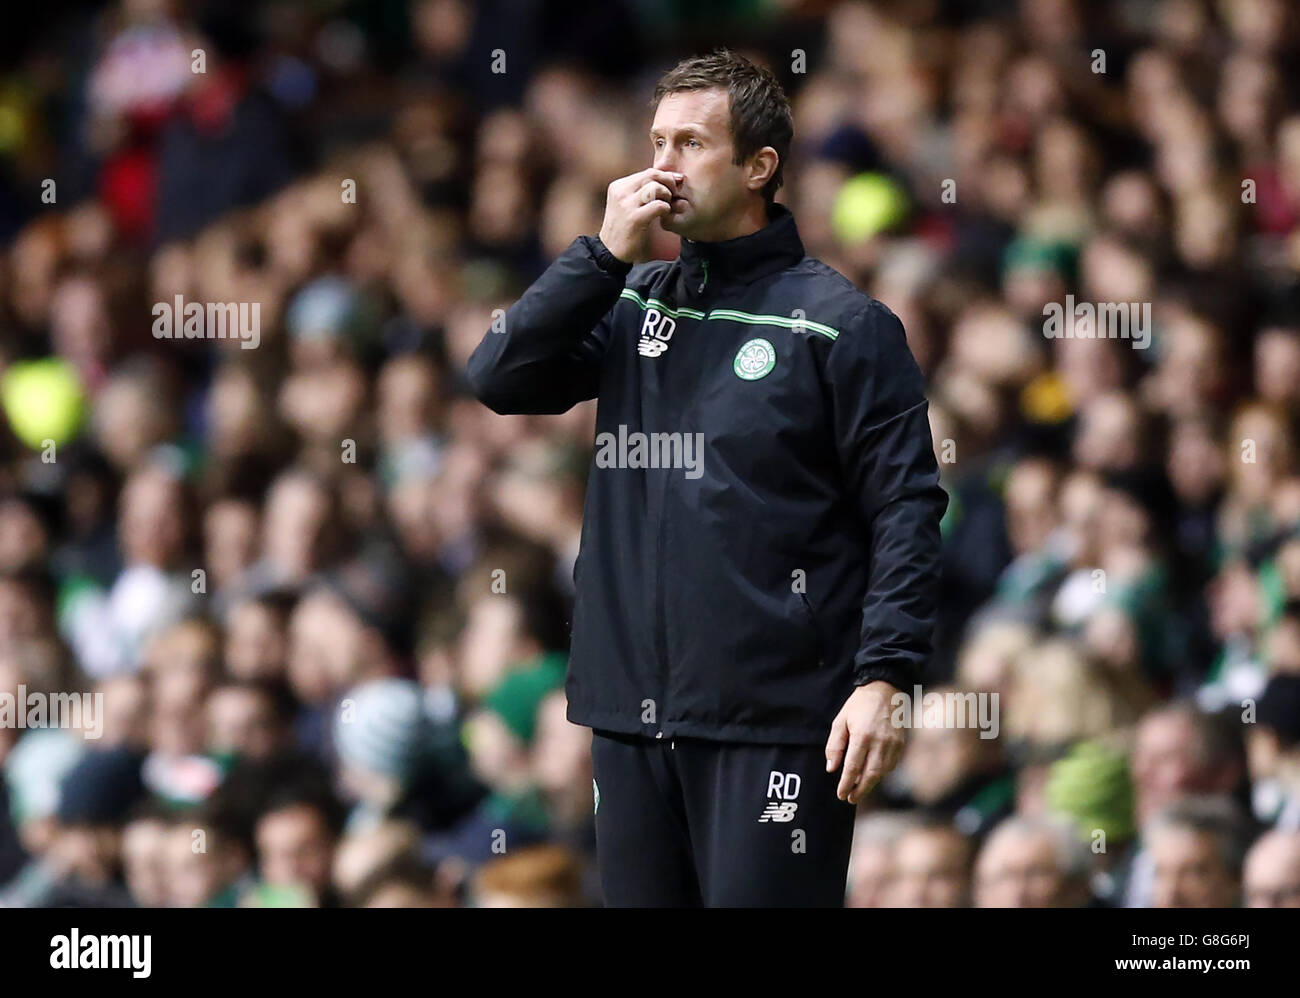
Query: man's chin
x=679, y=223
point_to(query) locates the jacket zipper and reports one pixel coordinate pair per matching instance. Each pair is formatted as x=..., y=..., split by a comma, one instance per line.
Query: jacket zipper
x=818, y=648
x=660, y=608
x=661, y=621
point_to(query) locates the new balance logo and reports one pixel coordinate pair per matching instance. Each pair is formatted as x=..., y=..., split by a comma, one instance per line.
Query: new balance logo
x=784, y=811
x=656, y=331
x=785, y=788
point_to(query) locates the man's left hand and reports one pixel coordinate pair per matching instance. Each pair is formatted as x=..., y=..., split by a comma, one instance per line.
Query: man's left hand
x=874, y=744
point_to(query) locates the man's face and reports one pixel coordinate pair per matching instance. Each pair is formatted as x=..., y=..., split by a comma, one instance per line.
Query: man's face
x=692, y=136
x=177, y=722
x=1272, y=874
x=1189, y=872
x=871, y=875
x=930, y=870
x=1019, y=871
x=149, y=523
x=1164, y=765
x=197, y=869
x=143, y=861
x=296, y=513
x=242, y=721
x=490, y=639
x=1031, y=514
x=295, y=847
x=938, y=759
x=256, y=642
x=230, y=538
x=1277, y=364
x=324, y=646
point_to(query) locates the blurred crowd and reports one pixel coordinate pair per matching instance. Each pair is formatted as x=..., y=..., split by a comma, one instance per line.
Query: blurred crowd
x=325, y=594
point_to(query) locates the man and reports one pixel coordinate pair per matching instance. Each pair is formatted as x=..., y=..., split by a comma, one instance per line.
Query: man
x=1197, y=847
x=1179, y=752
x=1273, y=754
x=956, y=771
x=751, y=592
x=931, y=867
x=216, y=876
x=1271, y=876
x=246, y=719
x=873, y=860
x=295, y=838
x=1032, y=862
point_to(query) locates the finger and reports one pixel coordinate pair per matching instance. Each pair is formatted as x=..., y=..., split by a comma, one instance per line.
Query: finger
x=649, y=212
x=836, y=744
x=653, y=190
x=871, y=774
x=671, y=180
x=853, y=763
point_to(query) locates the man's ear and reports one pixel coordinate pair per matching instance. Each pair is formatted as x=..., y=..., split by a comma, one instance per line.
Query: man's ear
x=762, y=167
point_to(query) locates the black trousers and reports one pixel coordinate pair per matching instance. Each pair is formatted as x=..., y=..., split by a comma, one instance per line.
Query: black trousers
x=688, y=822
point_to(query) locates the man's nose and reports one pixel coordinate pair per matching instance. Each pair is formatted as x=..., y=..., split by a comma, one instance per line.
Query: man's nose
x=666, y=160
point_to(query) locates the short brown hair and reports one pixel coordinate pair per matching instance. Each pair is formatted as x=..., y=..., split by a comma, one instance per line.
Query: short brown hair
x=760, y=111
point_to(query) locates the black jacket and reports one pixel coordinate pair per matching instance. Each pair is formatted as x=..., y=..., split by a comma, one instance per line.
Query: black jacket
x=740, y=599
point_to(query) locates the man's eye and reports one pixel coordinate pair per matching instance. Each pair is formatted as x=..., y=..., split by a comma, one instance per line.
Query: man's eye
x=692, y=142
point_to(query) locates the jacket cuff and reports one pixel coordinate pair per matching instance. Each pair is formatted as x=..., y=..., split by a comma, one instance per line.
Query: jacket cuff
x=606, y=260
x=897, y=674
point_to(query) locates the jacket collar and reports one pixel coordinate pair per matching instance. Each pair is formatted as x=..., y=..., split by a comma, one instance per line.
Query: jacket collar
x=744, y=259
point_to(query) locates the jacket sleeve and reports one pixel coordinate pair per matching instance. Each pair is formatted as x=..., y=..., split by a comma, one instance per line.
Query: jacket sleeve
x=882, y=434
x=544, y=356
